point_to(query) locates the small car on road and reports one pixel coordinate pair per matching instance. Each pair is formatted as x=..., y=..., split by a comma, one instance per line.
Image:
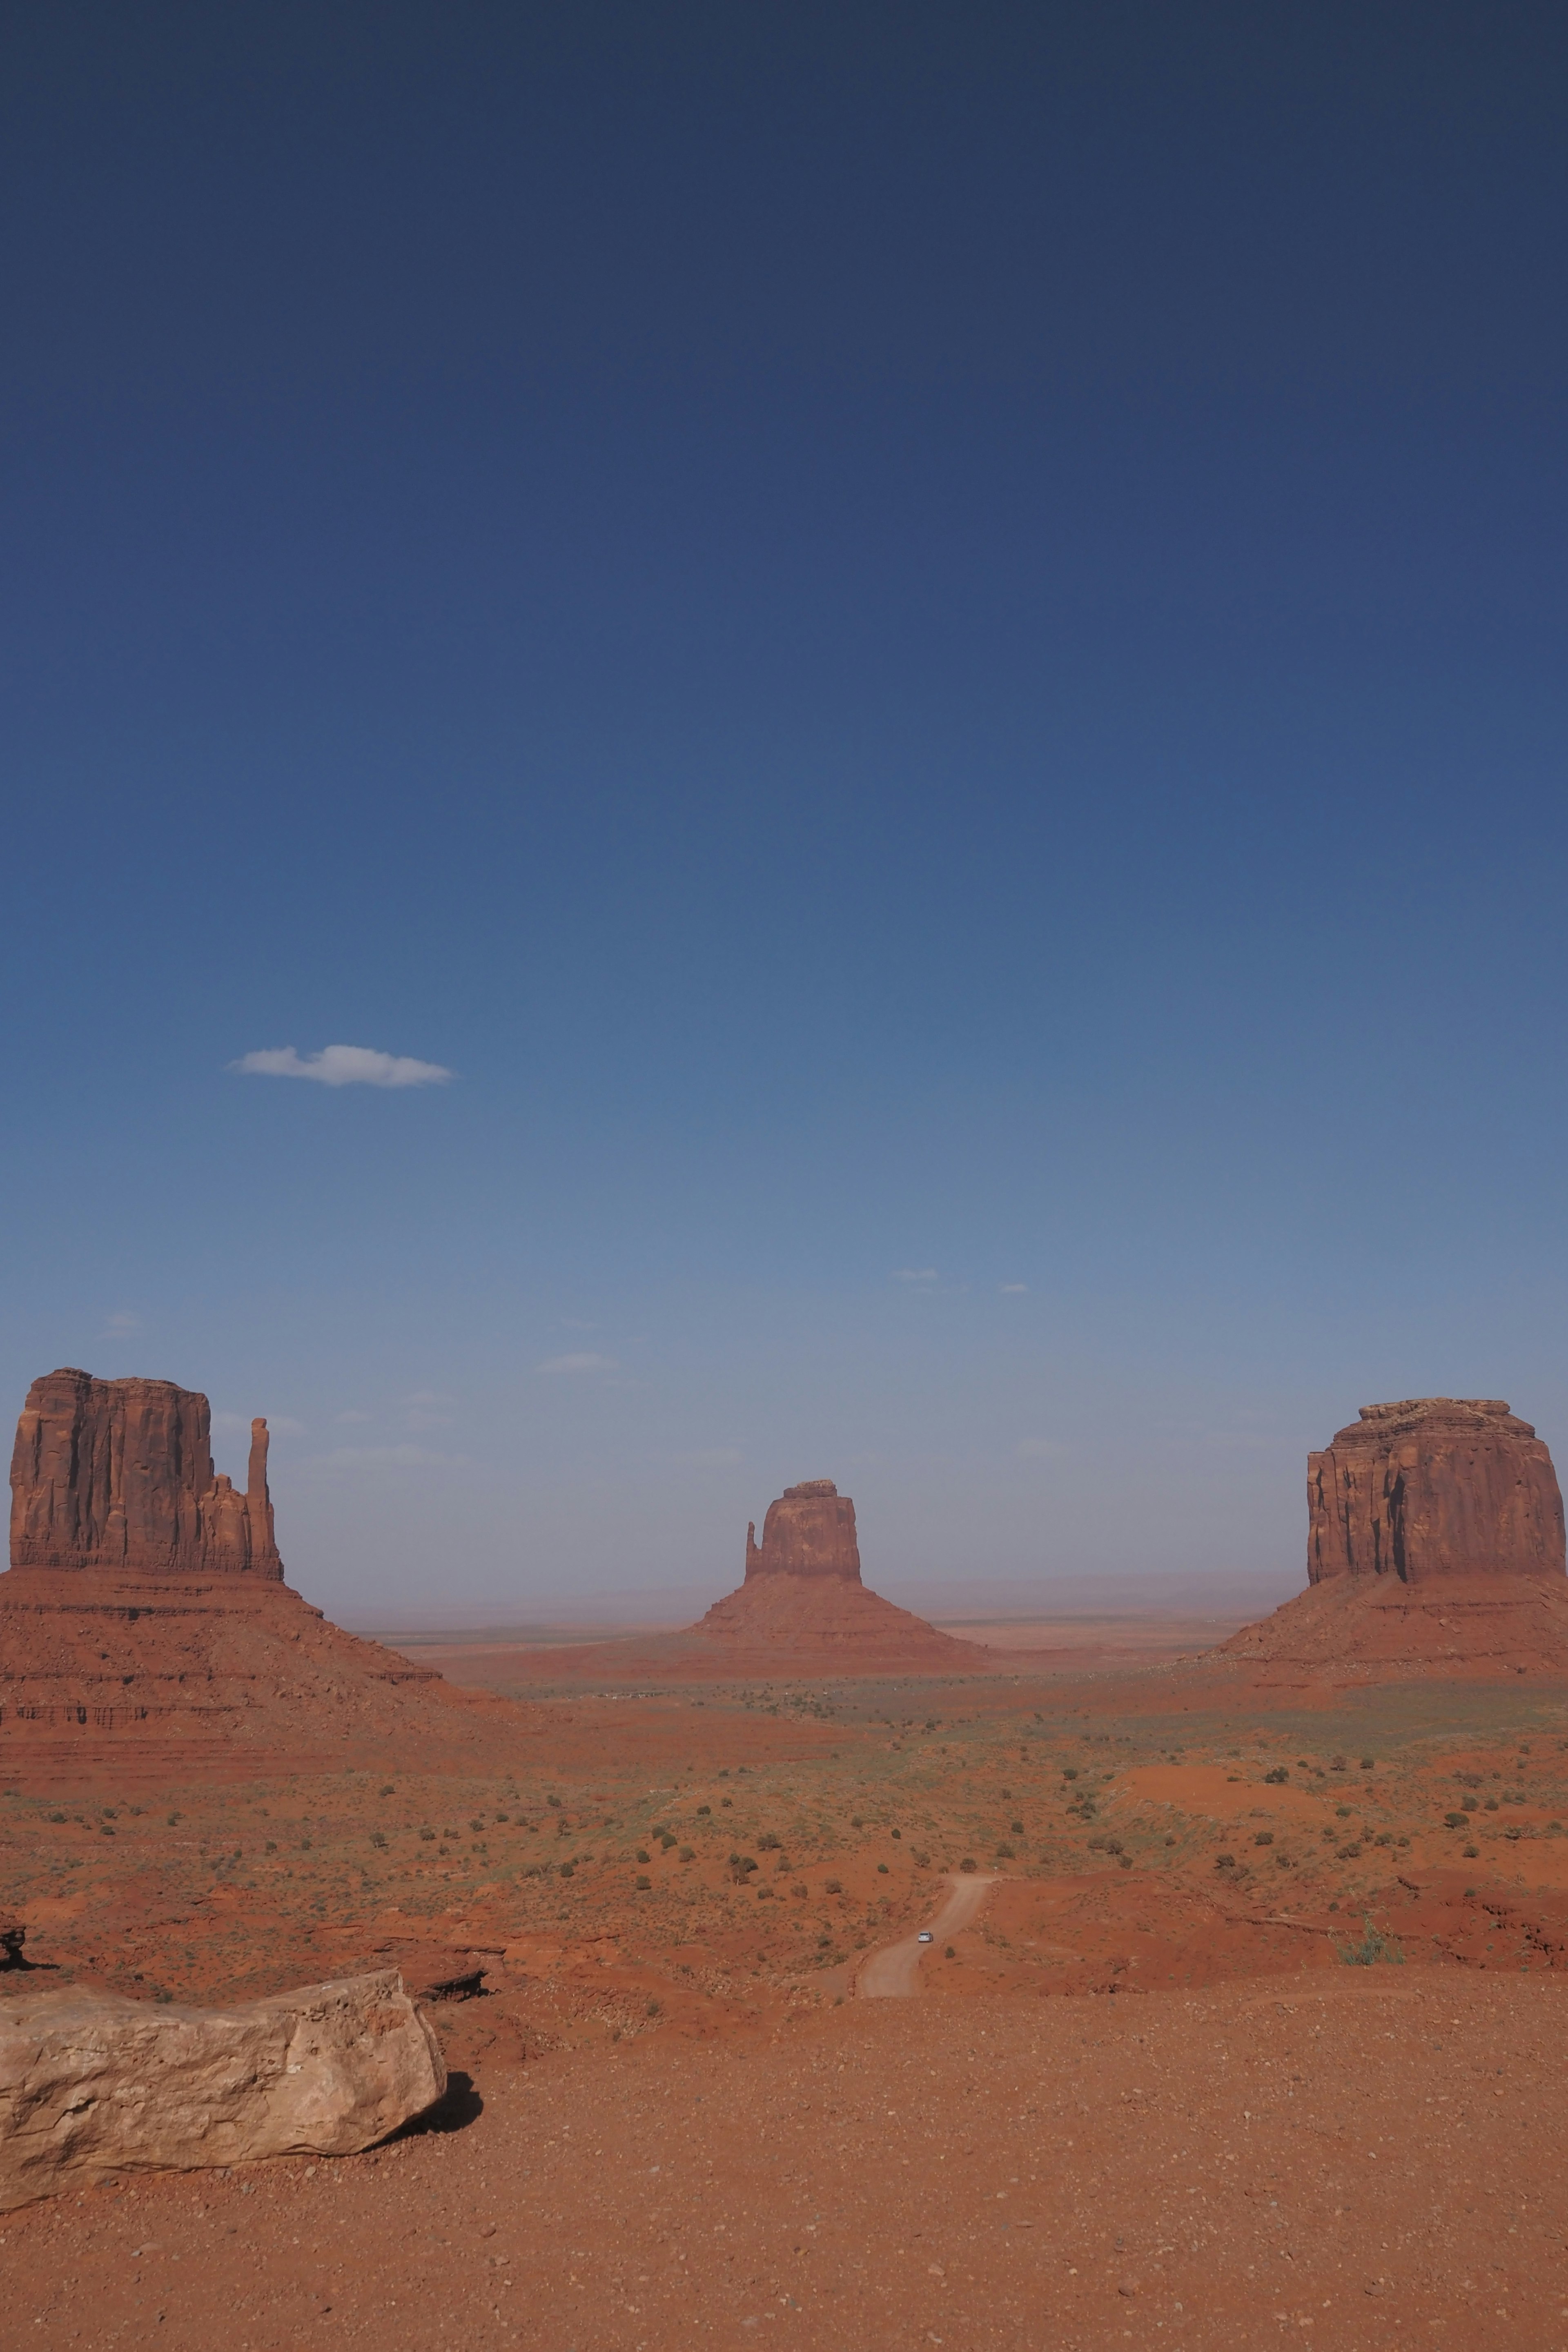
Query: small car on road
x=925, y=1937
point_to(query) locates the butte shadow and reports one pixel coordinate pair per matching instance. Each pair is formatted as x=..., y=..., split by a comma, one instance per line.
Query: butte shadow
x=145, y=1616
x=800, y=1612
x=1435, y=1549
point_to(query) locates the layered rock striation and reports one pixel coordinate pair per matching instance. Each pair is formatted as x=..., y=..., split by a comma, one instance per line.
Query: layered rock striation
x=1435, y=1486
x=118, y=1474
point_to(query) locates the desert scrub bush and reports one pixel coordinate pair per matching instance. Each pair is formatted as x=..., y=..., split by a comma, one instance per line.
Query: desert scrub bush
x=769, y=1841
x=1263, y=1837
x=1373, y=1947
x=642, y=1884
x=1004, y=1854
x=969, y=1862
x=427, y=1837
x=1070, y=1772
x=642, y=1853
x=1224, y=1862
x=833, y=1886
x=688, y=1854
x=1278, y=1778
x=1454, y=1821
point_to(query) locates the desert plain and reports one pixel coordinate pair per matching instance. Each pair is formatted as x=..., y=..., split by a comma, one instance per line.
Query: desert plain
x=1256, y=2034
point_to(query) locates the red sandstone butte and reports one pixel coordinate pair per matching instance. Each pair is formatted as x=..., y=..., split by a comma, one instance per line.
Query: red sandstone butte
x=809, y=1531
x=118, y=1474
x=1435, y=1546
x=145, y=1613
x=1433, y=1486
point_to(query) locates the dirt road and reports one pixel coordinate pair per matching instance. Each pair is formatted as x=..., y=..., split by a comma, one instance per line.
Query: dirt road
x=895, y=1971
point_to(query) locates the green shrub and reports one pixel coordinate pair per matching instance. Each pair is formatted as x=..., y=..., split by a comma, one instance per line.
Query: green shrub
x=643, y=1884
x=1375, y=1947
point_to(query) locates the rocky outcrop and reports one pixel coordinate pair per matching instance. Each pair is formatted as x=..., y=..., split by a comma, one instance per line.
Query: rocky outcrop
x=118, y=1474
x=91, y=2084
x=1435, y=1486
x=809, y=1531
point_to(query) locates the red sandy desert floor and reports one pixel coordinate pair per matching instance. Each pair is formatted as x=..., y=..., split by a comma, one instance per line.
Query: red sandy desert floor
x=1256, y=2037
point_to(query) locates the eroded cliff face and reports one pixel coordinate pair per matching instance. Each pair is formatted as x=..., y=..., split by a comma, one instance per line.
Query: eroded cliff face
x=809, y=1531
x=118, y=1474
x=1433, y=1486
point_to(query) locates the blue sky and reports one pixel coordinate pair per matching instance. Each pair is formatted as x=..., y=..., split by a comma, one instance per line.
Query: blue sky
x=924, y=645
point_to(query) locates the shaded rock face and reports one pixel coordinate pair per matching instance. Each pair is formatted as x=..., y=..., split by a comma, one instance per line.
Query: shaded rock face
x=809, y=1531
x=92, y=2083
x=1433, y=1486
x=119, y=1474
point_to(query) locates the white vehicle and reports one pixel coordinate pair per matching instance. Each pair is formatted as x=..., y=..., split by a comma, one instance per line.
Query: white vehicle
x=924, y=1937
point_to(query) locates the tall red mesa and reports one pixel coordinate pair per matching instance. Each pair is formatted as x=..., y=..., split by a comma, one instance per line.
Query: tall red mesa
x=118, y=1474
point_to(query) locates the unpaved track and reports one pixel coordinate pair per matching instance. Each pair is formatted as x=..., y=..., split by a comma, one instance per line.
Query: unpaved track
x=894, y=1972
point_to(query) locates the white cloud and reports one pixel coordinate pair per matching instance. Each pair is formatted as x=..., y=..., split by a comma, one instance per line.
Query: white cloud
x=120, y=1327
x=915, y=1274
x=1040, y=1449
x=343, y=1065
x=582, y=1363
x=1013, y=1289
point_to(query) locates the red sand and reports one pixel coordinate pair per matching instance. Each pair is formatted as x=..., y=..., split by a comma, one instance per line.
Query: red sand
x=1149, y=2033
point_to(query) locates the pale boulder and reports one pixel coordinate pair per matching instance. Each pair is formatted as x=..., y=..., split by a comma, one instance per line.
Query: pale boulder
x=91, y=2084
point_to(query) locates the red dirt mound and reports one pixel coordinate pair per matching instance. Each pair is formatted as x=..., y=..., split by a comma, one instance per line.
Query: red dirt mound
x=1377, y=1628
x=205, y=1674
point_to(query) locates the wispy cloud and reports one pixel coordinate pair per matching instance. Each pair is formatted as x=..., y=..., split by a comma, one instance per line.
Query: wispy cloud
x=427, y=1409
x=396, y=1457
x=120, y=1327
x=1013, y=1289
x=343, y=1065
x=580, y=1363
x=914, y=1273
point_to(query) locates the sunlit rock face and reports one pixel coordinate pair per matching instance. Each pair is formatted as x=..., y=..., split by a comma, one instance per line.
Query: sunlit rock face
x=118, y=1474
x=1433, y=1486
x=809, y=1531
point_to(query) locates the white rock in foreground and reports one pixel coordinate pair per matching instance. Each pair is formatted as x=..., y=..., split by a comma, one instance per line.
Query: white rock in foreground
x=91, y=2084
